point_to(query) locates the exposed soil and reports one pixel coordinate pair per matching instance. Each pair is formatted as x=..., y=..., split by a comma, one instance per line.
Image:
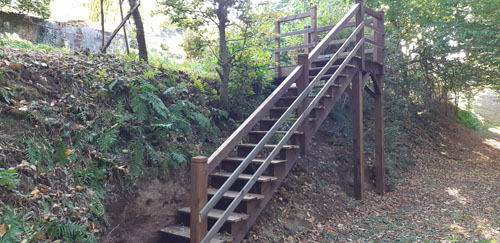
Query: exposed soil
x=152, y=207
x=452, y=193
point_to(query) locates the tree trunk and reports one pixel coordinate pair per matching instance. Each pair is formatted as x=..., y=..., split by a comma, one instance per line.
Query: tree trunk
x=141, y=40
x=102, y=23
x=224, y=57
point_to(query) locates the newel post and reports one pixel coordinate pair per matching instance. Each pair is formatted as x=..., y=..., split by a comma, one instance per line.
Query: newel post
x=302, y=83
x=359, y=20
x=199, y=197
x=277, y=54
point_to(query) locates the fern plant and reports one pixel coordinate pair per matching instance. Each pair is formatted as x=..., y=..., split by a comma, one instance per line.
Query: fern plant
x=70, y=231
x=8, y=178
x=108, y=138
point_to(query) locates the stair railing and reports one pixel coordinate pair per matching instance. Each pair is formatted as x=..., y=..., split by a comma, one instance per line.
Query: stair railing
x=274, y=97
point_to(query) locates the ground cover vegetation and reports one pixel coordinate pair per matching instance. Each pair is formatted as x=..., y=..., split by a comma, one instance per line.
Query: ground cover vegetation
x=76, y=128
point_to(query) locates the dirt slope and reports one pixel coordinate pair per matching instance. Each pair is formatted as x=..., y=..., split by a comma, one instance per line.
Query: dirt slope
x=453, y=193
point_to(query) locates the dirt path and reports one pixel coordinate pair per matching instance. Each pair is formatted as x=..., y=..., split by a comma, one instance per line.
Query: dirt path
x=452, y=193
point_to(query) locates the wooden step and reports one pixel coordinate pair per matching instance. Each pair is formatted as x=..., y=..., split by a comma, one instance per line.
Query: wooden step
x=331, y=67
x=289, y=119
x=184, y=232
x=217, y=214
x=327, y=76
x=310, y=96
x=244, y=176
x=270, y=146
x=240, y=159
x=277, y=132
x=320, y=85
x=284, y=108
x=233, y=194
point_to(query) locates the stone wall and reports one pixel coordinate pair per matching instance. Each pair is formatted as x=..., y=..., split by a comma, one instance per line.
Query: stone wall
x=72, y=37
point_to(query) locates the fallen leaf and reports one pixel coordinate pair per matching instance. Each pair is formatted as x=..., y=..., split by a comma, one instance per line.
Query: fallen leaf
x=35, y=191
x=3, y=229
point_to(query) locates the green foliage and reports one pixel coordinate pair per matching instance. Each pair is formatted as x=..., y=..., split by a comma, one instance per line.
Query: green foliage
x=39, y=152
x=16, y=226
x=90, y=175
x=61, y=151
x=470, y=120
x=8, y=178
x=144, y=99
x=40, y=8
x=108, y=138
x=70, y=231
x=6, y=40
x=136, y=148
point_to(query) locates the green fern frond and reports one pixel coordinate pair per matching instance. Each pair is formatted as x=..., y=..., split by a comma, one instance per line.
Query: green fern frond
x=136, y=148
x=156, y=104
x=140, y=107
x=108, y=138
x=180, y=158
x=8, y=178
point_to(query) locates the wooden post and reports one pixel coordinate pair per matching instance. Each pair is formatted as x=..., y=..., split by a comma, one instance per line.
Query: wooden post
x=379, y=57
x=379, y=38
x=277, y=55
x=379, y=136
x=302, y=83
x=124, y=29
x=314, y=25
x=307, y=39
x=359, y=20
x=357, y=136
x=199, y=197
x=357, y=116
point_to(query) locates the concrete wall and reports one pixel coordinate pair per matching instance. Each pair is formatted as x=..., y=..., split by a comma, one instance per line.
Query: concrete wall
x=72, y=37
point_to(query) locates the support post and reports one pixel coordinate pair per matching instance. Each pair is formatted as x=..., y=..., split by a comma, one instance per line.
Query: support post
x=379, y=57
x=314, y=25
x=357, y=135
x=302, y=83
x=359, y=20
x=199, y=197
x=307, y=39
x=379, y=137
x=379, y=38
x=277, y=55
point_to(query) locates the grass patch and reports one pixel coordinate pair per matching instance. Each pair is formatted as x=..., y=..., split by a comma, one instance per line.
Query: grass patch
x=470, y=120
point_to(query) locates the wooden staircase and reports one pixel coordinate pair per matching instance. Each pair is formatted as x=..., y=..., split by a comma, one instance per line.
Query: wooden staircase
x=231, y=187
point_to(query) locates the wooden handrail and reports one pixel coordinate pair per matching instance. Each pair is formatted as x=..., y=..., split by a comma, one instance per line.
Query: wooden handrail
x=252, y=120
x=334, y=32
x=295, y=17
x=290, y=48
x=298, y=32
x=373, y=13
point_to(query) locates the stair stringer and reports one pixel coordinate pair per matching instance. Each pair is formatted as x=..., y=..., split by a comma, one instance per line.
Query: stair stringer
x=288, y=165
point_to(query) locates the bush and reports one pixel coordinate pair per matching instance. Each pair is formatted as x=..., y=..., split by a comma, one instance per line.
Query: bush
x=470, y=120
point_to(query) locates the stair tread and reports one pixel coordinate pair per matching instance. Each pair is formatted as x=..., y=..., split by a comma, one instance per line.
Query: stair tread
x=329, y=75
x=184, y=232
x=289, y=119
x=278, y=132
x=286, y=107
x=233, y=194
x=240, y=159
x=217, y=213
x=333, y=66
x=268, y=146
x=315, y=86
x=310, y=96
x=245, y=176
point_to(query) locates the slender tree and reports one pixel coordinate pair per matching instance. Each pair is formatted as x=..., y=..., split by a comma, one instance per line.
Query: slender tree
x=199, y=15
x=141, y=40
